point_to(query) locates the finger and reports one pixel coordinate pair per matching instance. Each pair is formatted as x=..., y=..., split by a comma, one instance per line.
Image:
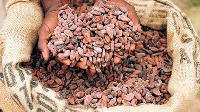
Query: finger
x=45, y=51
x=46, y=29
x=66, y=2
x=139, y=28
x=78, y=3
x=42, y=43
x=96, y=2
x=64, y=61
x=133, y=16
x=131, y=12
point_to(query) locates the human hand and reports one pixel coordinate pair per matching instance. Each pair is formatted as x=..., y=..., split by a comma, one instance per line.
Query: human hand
x=49, y=23
x=131, y=11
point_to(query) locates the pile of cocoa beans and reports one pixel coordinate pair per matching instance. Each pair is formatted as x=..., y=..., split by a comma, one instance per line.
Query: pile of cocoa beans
x=132, y=68
x=139, y=79
x=94, y=37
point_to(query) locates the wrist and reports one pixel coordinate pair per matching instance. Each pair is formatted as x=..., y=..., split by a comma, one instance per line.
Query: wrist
x=53, y=5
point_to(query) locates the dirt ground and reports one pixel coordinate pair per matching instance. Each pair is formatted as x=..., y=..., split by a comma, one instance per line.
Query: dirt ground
x=192, y=10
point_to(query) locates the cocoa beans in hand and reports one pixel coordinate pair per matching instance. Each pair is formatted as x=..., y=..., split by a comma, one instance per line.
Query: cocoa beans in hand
x=132, y=68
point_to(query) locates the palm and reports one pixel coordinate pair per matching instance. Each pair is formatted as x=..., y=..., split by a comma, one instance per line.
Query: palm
x=48, y=25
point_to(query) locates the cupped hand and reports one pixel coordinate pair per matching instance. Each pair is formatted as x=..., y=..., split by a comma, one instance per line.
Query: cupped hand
x=49, y=23
x=131, y=11
x=51, y=20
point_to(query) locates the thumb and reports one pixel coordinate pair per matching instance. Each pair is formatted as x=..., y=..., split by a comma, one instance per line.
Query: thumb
x=49, y=23
x=96, y=2
x=78, y=3
x=133, y=16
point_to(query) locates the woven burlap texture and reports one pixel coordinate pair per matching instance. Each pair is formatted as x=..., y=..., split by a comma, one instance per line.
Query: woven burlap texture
x=2, y=12
x=22, y=21
x=183, y=47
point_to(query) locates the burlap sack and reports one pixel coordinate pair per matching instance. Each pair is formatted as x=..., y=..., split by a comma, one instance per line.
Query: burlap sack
x=183, y=47
x=22, y=21
x=2, y=12
x=7, y=104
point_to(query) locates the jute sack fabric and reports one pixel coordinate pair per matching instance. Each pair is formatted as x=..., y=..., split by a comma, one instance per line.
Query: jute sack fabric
x=2, y=12
x=7, y=104
x=183, y=47
x=22, y=21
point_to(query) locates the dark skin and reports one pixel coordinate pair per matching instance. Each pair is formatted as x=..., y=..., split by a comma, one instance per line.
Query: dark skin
x=50, y=22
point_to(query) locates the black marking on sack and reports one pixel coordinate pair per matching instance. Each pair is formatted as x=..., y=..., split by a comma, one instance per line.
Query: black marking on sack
x=163, y=24
x=198, y=81
x=154, y=23
x=40, y=110
x=27, y=97
x=190, y=26
x=21, y=74
x=28, y=71
x=197, y=42
x=2, y=77
x=157, y=4
x=16, y=99
x=58, y=97
x=71, y=109
x=157, y=13
x=140, y=13
x=45, y=89
x=140, y=16
x=198, y=72
x=184, y=56
x=34, y=84
x=197, y=45
x=184, y=39
x=185, y=26
x=175, y=16
x=150, y=22
x=138, y=5
x=167, y=3
x=80, y=107
x=76, y=108
x=144, y=0
x=47, y=99
x=12, y=81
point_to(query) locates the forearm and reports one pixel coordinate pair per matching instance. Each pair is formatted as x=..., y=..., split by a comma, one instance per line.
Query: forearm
x=52, y=5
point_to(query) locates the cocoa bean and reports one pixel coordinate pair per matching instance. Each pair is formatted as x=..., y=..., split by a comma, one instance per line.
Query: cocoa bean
x=156, y=91
x=123, y=18
x=110, y=62
x=87, y=99
x=71, y=101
